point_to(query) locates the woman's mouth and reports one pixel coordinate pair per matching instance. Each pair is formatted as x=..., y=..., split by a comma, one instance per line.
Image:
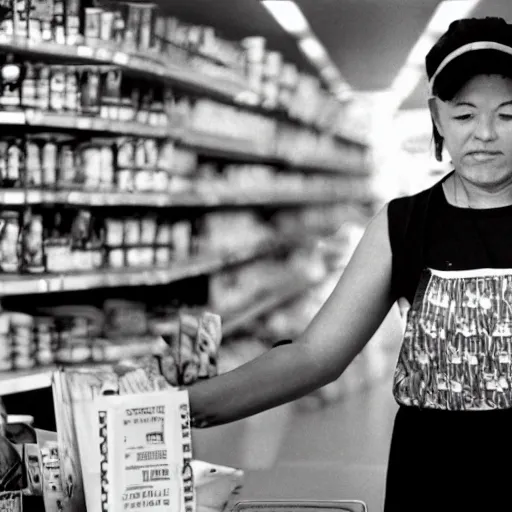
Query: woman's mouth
x=483, y=156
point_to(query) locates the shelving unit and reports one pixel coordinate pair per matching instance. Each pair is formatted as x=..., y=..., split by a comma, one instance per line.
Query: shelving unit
x=205, y=142
x=41, y=377
x=113, y=278
x=13, y=197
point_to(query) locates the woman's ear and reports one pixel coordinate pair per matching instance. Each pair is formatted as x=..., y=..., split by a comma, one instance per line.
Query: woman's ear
x=433, y=105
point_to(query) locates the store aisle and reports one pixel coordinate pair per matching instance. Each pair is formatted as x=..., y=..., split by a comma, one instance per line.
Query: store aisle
x=339, y=452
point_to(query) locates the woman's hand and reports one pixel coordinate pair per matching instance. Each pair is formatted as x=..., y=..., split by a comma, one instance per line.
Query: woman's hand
x=340, y=330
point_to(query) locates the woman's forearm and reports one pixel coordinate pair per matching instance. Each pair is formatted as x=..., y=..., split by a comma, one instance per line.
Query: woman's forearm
x=280, y=375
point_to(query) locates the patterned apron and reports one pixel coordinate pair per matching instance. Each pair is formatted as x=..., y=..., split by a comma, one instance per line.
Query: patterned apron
x=457, y=347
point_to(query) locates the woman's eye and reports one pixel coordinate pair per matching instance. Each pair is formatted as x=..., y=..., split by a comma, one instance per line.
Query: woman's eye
x=463, y=117
x=506, y=115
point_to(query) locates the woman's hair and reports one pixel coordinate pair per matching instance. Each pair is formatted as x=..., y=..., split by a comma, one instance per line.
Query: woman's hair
x=470, y=47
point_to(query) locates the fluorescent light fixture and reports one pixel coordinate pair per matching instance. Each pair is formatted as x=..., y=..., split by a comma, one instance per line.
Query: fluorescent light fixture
x=288, y=15
x=420, y=49
x=448, y=11
x=412, y=71
x=406, y=81
x=313, y=49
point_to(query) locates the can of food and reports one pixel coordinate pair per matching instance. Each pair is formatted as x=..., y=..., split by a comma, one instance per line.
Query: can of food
x=182, y=239
x=132, y=231
x=67, y=165
x=116, y=258
x=140, y=154
x=9, y=237
x=163, y=256
x=125, y=180
x=107, y=167
x=143, y=180
x=92, y=31
x=148, y=230
x=114, y=232
x=164, y=234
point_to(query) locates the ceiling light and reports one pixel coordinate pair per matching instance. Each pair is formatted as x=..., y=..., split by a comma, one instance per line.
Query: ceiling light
x=420, y=49
x=448, y=11
x=406, y=81
x=313, y=49
x=288, y=15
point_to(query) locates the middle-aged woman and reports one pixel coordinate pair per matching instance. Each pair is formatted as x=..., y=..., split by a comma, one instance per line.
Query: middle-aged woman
x=448, y=251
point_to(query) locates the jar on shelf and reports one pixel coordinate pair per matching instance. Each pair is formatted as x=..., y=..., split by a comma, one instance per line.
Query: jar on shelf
x=148, y=230
x=15, y=163
x=67, y=165
x=114, y=232
x=116, y=258
x=57, y=88
x=33, y=168
x=9, y=237
x=132, y=231
x=58, y=255
x=32, y=247
x=49, y=163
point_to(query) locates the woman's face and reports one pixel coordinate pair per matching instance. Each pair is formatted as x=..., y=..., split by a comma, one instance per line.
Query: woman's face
x=477, y=129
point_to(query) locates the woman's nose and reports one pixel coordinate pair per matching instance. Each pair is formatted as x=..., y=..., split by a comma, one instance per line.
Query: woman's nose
x=485, y=129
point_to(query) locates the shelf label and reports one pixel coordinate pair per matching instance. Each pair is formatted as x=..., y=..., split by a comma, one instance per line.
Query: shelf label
x=103, y=54
x=14, y=196
x=12, y=117
x=85, y=52
x=121, y=58
x=83, y=123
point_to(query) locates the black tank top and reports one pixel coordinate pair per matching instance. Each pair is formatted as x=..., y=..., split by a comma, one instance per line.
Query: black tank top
x=426, y=231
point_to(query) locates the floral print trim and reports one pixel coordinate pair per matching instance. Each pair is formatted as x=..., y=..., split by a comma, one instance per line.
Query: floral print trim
x=457, y=348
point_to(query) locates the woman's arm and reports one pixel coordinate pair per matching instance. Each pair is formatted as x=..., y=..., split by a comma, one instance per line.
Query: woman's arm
x=340, y=330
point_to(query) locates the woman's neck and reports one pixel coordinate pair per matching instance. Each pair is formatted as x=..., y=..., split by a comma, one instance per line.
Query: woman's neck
x=464, y=194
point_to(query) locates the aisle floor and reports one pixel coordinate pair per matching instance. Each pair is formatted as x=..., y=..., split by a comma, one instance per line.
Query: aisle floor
x=338, y=452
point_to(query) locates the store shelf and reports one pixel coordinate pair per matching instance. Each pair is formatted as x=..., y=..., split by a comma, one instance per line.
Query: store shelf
x=22, y=284
x=73, y=121
x=15, y=197
x=245, y=150
x=240, y=320
x=233, y=90
x=207, y=144
x=21, y=381
x=149, y=65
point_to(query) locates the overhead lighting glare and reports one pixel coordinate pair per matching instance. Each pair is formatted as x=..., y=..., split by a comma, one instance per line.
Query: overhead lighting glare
x=449, y=11
x=412, y=71
x=313, y=49
x=420, y=49
x=288, y=15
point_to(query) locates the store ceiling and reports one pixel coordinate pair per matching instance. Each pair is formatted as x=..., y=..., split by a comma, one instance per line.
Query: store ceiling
x=368, y=40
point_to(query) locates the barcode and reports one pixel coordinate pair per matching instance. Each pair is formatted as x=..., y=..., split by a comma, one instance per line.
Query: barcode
x=154, y=474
